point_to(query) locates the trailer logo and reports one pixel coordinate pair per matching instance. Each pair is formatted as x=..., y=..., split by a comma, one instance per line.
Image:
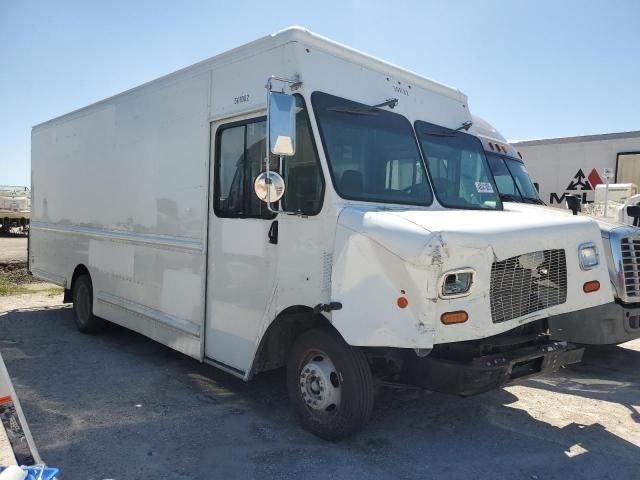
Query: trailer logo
x=582, y=182
x=579, y=182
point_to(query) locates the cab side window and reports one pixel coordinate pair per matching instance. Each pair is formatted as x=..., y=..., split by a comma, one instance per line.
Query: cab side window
x=240, y=151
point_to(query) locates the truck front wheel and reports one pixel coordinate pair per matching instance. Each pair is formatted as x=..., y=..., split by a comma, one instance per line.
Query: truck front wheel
x=86, y=321
x=330, y=385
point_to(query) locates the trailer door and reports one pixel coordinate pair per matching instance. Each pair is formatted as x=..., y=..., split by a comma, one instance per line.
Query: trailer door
x=242, y=262
x=628, y=170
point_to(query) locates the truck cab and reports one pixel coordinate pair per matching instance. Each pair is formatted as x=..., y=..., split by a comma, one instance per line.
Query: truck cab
x=612, y=323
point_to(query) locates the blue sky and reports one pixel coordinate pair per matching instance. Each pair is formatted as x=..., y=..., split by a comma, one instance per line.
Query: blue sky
x=534, y=69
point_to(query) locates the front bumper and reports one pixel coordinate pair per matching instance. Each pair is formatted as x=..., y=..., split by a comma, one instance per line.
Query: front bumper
x=483, y=373
x=607, y=324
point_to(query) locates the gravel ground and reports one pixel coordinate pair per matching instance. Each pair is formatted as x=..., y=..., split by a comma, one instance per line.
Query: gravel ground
x=13, y=248
x=120, y=406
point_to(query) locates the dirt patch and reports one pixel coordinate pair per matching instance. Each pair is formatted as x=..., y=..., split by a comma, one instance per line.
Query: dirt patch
x=16, y=280
x=13, y=248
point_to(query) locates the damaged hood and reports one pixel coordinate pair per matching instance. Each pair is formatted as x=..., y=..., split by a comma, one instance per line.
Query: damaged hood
x=421, y=236
x=606, y=224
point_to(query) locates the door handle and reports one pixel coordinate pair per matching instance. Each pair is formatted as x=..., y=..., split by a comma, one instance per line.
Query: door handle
x=273, y=233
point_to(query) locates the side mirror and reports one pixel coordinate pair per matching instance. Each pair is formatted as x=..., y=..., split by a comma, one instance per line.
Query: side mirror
x=574, y=203
x=634, y=212
x=281, y=124
x=269, y=187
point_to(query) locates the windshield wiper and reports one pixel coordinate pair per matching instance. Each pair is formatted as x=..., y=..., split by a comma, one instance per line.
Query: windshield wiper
x=353, y=111
x=508, y=197
x=372, y=110
x=448, y=133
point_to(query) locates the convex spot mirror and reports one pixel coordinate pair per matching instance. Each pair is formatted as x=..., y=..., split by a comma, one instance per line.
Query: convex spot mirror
x=269, y=188
x=282, y=124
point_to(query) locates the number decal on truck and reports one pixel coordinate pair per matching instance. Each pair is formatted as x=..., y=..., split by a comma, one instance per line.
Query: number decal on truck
x=241, y=99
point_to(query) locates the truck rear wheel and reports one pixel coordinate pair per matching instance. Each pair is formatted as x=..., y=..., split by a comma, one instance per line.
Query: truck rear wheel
x=330, y=385
x=86, y=321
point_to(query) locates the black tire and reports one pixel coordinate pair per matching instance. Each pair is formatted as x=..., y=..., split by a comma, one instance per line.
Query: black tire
x=350, y=375
x=82, y=296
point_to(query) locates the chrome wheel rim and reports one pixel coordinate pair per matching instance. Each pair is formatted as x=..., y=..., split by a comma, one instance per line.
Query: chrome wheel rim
x=320, y=383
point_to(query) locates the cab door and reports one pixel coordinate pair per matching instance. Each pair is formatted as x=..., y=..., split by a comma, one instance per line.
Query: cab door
x=259, y=263
x=242, y=261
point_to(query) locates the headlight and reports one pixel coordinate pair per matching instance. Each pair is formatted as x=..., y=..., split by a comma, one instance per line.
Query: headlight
x=456, y=283
x=588, y=254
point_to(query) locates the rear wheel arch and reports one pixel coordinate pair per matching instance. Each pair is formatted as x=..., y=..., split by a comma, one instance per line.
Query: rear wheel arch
x=79, y=270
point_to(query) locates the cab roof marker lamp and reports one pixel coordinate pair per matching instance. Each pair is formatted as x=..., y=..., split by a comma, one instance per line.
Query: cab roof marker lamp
x=588, y=255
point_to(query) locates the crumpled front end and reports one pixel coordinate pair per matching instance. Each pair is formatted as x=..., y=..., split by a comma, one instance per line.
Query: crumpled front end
x=389, y=267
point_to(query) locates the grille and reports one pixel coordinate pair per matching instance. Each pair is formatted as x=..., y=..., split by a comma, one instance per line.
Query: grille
x=528, y=283
x=630, y=248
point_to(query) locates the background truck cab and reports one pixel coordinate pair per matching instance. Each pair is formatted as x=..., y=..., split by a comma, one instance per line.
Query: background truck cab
x=612, y=323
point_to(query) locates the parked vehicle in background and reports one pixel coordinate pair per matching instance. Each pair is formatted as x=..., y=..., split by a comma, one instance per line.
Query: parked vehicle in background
x=612, y=323
x=339, y=223
x=576, y=165
x=15, y=208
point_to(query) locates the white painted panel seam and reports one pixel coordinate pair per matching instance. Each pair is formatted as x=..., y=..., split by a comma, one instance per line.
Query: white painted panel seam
x=234, y=116
x=185, y=243
x=50, y=277
x=178, y=323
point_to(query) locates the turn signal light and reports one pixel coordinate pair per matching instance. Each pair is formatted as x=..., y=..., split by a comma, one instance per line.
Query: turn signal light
x=450, y=318
x=592, y=286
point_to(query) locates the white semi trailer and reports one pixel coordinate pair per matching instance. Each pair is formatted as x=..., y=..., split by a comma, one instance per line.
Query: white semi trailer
x=575, y=165
x=15, y=207
x=369, y=243
x=612, y=323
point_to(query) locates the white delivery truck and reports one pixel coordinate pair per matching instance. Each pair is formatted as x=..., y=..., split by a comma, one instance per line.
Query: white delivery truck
x=575, y=165
x=612, y=323
x=369, y=243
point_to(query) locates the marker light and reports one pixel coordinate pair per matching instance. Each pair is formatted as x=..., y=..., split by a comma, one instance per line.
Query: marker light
x=403, y=302
x=592, y=286
x=588, y=254
x=451, y=318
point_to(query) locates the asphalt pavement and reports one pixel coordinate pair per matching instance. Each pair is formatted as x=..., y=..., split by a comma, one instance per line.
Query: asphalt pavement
x=120, y=406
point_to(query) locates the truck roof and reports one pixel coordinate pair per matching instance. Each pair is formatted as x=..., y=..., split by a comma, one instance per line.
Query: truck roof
x=290, y=34
x=578, y=139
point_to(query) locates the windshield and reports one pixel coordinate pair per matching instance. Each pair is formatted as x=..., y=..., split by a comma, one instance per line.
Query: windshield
x=458, y=168
x=372, y=153
x=512, y=179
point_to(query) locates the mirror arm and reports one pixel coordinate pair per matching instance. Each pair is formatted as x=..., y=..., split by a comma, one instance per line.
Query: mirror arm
x=295, y=83
x=268, y=182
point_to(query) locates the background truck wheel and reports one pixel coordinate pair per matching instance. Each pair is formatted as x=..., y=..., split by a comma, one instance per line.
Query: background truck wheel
x=330, y=385
x=86, y=321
